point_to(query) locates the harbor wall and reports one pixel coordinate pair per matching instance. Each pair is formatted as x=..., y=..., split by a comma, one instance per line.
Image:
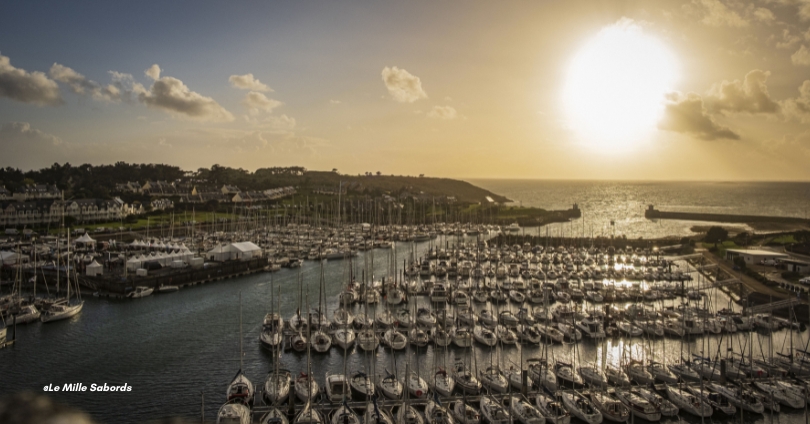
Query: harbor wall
x=652, y=213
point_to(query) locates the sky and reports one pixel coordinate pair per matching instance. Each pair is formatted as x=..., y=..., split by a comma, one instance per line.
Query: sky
x=641, y=90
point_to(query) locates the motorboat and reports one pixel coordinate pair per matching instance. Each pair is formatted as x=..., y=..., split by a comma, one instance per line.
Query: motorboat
x=140, y=291
x=591, y=328
x=337, y=388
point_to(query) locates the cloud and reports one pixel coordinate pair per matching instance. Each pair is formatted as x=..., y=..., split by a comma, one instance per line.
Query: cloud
x=687, y=115
x=255, y=102
x=764, y=15
x=402, y=85
x=715, y=13
x=788, y=40
x=747, y=96
x=799, y=107
x=801, y=57
x=21, y=132
x=153, y=72
x=247, y=82
x=443, y=112
x=280, y=123
x=27, y=87
x=335, y=102
x=79, y=84
x=172, y=96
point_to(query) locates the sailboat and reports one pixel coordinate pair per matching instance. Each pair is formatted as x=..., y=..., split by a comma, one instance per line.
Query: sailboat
x=64, y=308
x=271, y=336
x=240, y=390
x=234, y=413
x=321, y=341
x=306, y=388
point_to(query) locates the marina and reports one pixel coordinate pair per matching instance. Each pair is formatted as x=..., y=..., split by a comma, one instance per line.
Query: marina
x=444, y=307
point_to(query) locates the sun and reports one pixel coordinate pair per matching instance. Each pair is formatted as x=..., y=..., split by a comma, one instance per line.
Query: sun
x=615, y=87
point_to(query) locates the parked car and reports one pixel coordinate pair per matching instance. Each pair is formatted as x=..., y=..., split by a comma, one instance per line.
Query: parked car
x=768, y=262
x=805, y=280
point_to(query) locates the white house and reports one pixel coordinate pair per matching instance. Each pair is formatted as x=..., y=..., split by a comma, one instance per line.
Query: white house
x=754, y=256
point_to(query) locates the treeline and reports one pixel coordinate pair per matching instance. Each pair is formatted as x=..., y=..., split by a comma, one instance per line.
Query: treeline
x=88, y=181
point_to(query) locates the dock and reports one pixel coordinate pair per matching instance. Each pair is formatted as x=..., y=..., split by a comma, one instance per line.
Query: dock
x=652, y=213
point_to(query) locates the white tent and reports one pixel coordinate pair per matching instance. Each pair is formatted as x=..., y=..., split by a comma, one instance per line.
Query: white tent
x=85, y=240
x=94, y=268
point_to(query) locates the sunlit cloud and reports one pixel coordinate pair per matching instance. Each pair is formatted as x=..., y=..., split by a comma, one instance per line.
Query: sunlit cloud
x=256, y=102
x=801, y=57
x=248, y=82
x=80, y=85
x=749, y=95
x=402, y=85
x=171, y=95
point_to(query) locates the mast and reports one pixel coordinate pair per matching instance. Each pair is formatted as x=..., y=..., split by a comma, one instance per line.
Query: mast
x=241, y=350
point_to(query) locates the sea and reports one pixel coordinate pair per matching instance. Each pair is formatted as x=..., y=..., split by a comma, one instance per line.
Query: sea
x=179, y=351
x=616, y=208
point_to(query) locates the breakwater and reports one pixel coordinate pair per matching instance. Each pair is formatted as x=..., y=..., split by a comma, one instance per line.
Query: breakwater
x=652, y=213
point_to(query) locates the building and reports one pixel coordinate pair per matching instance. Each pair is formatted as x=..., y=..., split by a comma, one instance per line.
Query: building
x=159, y=188
x=4, y=193
x=37, y=191
x=795, y=265
x=229, y=189
x=754, y=256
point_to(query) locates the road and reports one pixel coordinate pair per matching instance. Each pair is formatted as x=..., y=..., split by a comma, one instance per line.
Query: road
x=749, y=283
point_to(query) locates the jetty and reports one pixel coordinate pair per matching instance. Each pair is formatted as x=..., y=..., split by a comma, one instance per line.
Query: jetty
x=652, y=213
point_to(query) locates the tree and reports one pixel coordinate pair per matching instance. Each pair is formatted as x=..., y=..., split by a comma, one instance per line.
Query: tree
x=716, y=235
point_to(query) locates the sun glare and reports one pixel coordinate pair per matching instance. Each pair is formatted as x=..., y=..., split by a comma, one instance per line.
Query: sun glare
x=615, y=87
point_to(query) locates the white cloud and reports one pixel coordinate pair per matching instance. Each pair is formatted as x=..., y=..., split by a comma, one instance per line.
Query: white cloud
x=801, y=57
x=153, y=72
x=402, y=85
x=27, y=87
x=335, y=102
x=256, y=102
x=248, y=82
x=172, y=96
x=79, y=84
x=443, y=112
x=280, y=123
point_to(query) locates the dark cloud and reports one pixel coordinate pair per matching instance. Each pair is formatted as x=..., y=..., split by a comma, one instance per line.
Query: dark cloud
x=748, y=96
x=171, y=95
x=687, y=115
x=79, y=84
x=27, y=87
